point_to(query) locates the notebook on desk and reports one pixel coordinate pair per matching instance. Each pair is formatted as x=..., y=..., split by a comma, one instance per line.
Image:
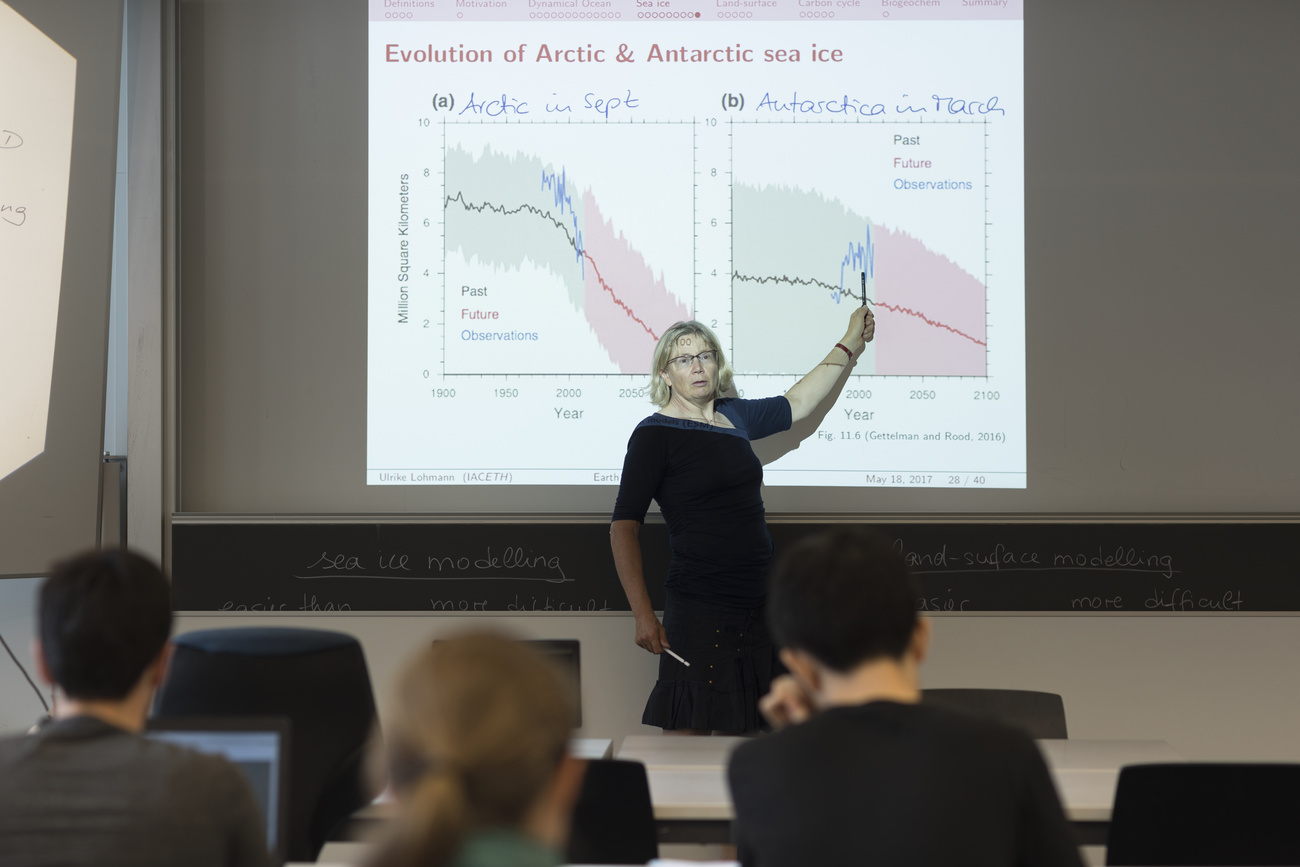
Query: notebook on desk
x=259, y=746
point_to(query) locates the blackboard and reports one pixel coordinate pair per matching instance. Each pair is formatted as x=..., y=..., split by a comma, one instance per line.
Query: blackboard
x=1006, y=565
x=459, y=567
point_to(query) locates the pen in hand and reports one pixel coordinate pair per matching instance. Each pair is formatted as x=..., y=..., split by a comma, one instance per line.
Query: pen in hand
x=676, y=657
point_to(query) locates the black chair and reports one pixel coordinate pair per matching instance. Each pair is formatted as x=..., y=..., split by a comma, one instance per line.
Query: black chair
x=613, y=820
x=316, y=678
x=1203, y=814
x=1040, y=714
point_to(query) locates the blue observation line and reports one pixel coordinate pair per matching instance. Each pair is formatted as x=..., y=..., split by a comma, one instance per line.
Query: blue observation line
x=859, y=258
x=559, y=183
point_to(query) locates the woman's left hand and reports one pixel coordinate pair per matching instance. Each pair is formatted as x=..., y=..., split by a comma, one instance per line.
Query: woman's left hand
x=861, y=331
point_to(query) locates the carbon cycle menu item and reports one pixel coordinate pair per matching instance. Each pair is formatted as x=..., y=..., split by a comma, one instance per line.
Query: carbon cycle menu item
x=553, y=183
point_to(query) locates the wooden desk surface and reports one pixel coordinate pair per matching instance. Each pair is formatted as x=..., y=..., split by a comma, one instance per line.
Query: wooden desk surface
x=660, y=751
x=1104, y=755
x=688, y=779
x=1086, y=772
x=695, y=794
x=386, y=807
x=591, y=748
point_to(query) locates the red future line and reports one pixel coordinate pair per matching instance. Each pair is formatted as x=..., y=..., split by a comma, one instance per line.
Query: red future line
x=617, y=300
x=910, y=312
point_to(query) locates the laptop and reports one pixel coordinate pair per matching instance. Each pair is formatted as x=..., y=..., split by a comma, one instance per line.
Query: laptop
x=259, y=746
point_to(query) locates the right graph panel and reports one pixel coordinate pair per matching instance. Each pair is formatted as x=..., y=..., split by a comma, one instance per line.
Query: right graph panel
x=898, y=209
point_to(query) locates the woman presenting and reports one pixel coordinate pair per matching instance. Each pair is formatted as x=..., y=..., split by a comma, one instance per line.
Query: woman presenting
x=693, y=457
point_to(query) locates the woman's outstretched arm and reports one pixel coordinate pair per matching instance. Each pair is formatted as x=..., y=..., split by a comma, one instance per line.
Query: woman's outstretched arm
x=805, y=394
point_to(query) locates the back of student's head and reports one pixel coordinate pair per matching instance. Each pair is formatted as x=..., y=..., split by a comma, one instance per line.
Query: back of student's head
x=845, y=597
x=103, y=618
x=478, y=728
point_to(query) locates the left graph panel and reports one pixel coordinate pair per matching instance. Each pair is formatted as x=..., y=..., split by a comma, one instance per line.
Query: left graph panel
x=552, y=264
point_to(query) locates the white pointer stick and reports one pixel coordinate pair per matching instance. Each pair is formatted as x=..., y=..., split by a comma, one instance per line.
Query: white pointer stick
x=676, y=657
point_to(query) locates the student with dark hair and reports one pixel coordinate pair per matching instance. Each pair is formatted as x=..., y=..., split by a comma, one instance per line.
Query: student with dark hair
x=861, y=772
x=87, y=788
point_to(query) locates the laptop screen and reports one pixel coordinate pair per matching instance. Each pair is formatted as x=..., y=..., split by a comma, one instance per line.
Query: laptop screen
x=258, y=747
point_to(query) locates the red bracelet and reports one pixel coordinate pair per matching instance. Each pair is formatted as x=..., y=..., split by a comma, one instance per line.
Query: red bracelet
x=846, y=350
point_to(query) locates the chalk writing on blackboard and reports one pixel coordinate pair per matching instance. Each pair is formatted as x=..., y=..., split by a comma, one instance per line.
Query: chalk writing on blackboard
x=945, y=602
x=999, y=557
x=458, y=605
x=1161, y=568
x=510, y=563
x=546, y=603
x=1181, y=599
x=307, y=603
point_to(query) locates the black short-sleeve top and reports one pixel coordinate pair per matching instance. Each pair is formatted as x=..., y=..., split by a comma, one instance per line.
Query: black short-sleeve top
x=706, y=480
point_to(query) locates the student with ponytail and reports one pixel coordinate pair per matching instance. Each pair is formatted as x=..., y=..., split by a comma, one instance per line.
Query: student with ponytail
x=476, y=750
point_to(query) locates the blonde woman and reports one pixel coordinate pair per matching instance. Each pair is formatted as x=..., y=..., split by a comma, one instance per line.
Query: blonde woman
x=693, y=457
x=477, y=755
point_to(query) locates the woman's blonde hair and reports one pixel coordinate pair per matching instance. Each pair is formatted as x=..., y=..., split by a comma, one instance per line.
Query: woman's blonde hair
x=479, y=727
x=665, y=349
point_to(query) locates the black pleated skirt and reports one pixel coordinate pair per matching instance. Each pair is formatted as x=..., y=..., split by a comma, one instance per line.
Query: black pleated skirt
x=732, y=664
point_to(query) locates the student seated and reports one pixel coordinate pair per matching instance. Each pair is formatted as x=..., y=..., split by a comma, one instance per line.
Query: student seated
x=87, y=789
x=477, y=755
x=860, y=772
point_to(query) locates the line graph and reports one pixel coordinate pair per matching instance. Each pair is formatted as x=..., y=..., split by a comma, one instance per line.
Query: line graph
x=538, y=277
x=799, y=250
x=574, y=238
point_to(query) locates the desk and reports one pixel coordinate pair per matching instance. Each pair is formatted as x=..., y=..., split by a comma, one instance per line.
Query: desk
x=660, y=751
x=1086, y=773
x=591, y=748
x=688, y=785
x=385, y=806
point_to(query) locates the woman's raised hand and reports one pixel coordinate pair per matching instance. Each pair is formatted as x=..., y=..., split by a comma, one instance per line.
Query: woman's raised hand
x=861, y=330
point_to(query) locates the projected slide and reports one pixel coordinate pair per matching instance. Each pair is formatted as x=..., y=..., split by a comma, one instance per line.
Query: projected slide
x=555, y=182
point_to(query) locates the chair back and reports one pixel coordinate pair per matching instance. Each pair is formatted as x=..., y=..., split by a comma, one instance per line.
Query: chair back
x=613, y=820
x=318, y=680
x=1039, y=714
x=1206, y=814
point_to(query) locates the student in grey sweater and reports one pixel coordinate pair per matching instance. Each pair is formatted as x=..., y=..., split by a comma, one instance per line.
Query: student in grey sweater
x=87, y=788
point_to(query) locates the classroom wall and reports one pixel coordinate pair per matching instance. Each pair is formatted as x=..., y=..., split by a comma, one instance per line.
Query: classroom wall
x=1215, y=688
x=19, y=704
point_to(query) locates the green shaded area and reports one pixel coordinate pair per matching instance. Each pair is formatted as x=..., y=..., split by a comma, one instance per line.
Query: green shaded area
x=497, y=212
x=787, y=249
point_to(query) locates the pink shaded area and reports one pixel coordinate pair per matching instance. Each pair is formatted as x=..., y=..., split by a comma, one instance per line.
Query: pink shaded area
x=930, y=313
x=624, y=303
